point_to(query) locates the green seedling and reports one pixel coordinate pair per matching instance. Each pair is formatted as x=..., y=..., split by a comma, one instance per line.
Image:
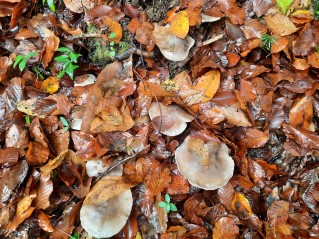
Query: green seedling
x=316, y=10
x=50, y=4
x=21, y=60
x=65, y=123
x=75, y=236
x=112, y=50
x=267, y=41
x=36, y=70
x=68, y=59
x=27, y=120
x=167, y=205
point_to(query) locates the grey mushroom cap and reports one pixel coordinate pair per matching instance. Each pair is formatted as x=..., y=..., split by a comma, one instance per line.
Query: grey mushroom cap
x=208, y=177
x=174, y=112
x=107, y=218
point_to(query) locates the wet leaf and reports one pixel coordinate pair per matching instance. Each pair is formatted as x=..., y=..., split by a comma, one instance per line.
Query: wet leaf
x=44, y=222
x=226, y=228
x=50, y=85
x=254, y=138
x=280, y=24
x=180, y=24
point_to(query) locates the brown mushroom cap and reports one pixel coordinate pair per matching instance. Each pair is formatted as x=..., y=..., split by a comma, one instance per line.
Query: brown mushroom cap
x=175, y=113
x=205, y=165
x=107, y=218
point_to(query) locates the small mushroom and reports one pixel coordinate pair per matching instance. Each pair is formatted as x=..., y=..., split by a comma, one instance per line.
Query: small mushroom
x=170, y=119
x=107, y=218
x=205, y=165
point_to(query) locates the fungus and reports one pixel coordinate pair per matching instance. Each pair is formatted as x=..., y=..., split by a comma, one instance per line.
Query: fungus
x=205, y=165
x=169, y=119
x=107, y=207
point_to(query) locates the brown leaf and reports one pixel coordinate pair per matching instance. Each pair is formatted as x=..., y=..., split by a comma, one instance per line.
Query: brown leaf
x=278, y=212
x=44, y=190
x=241, y=206
x=303, y=137
x=226, y=195
x=262, y=6
x=106, y=188
x=305, y=44
x=8, y=156
x=44, y=222
x=280, y=24
x=19, y=219
x=301, y=112
x=77, y=6
x=254, y=138
x=225, y=228
x=247, y=91
x=37, y=154
x=313, y=60
x=157, y=180
x=53, y=163
x=60, y=140
x=279, y=45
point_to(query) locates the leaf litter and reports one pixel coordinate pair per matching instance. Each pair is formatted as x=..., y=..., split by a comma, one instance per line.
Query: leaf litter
x=190, y=119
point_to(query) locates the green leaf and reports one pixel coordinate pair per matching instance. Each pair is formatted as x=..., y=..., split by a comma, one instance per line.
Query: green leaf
x=284, y=5
x=31, y=54
x=70, y=70
x=64, y=121
x=112, y=35
x=167, y=207
x=112, y=53
x=65, y=129
x=63, y=49
x=73, y=57
x=167, y=198
x=17, y=60
x=173, y=207
x=43, y=2
x=27, y=120
x=51, y=5
x=75, y=236
x=162, y=204
x=61, y=74
x=62, y=58
x=22, y=64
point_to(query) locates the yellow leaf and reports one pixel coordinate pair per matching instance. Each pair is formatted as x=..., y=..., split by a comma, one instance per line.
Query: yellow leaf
x=241, y=206
x=180, y=24
x=24, y=204
x=138, y=235
x=209, y=83
x=50, y=85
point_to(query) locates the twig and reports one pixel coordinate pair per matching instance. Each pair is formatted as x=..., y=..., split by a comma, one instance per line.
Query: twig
x=211, y=40
x=117, y=164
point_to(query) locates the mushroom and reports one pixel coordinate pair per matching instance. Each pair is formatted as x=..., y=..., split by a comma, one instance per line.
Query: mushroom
x=171, y=46
x=107, y=218
x=205, y=165
x=174, y=116
x=107, y=207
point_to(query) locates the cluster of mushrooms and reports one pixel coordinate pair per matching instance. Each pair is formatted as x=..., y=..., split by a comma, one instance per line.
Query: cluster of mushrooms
x=206, y=165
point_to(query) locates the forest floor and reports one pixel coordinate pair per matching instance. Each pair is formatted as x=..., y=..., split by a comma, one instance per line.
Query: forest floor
x=159, y=119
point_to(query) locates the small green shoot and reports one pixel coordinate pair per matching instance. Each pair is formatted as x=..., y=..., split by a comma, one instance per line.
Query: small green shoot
x=167, y=205
x=112, y=50
x=75, y=236
x=50, y=4
x=267, y=41
x=21, y=60
x=37, y=71
x=318, y=49
x=27, y=120
x=68, y=59
x=65, y=123
x=316, y=10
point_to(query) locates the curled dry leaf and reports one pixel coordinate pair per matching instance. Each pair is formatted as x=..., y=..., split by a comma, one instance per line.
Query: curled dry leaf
x=44, y=190
x=225, y=228
x=280, y=24
x=172, y=47
x=107, y=207
x=210, y=160
x=175, y=115
x=303, y=137
x=78, y=6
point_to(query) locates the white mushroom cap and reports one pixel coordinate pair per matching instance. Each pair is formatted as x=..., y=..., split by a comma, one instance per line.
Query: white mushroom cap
x=174, y=113
x=171, y=46
x=205, y=165
x=107, y=218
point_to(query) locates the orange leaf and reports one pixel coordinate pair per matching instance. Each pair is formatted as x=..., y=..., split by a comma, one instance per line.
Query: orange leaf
x=225, y=228
x=158, y=180
x=19, y=219
x=37, y=154
x=313, y=59
x=280, y=24
x=279, y=45
x=44, y=190
x=254, y=138
x=301, y=112
x=209, y=83
x=247, y=91
x=278, y=212
x=44, y=222
x=113, y=26
x=194, y=9
x=133, y=25
x=50, y=85
x=180, y=24
x=241, y=206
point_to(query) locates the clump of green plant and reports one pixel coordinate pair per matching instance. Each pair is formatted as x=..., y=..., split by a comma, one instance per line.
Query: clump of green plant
x=68, y=59
x=316, y=10
x=50, y=4
x=167, y=205
x=27, y=120
x=65, y=123
x=267, y=41
x=37, y=71
x=21, y=60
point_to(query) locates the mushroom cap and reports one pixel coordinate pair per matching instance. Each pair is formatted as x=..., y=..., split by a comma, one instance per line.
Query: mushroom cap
x=175, y=113
x=107, y=218
x=209, y=177
x=171, y=46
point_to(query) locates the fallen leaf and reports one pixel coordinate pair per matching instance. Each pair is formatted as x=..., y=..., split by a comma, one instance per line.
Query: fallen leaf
x=241, y=206
x=284, y=5
x=50, y=85
x=44, y=190
x=301, y=112
x=225, y=228
x=44, y=222
x=254, y=138
x=79, y=6
x=37, y=154
x=278, y=212
x=113, y=26
x=180, y=24
x=280, y=24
